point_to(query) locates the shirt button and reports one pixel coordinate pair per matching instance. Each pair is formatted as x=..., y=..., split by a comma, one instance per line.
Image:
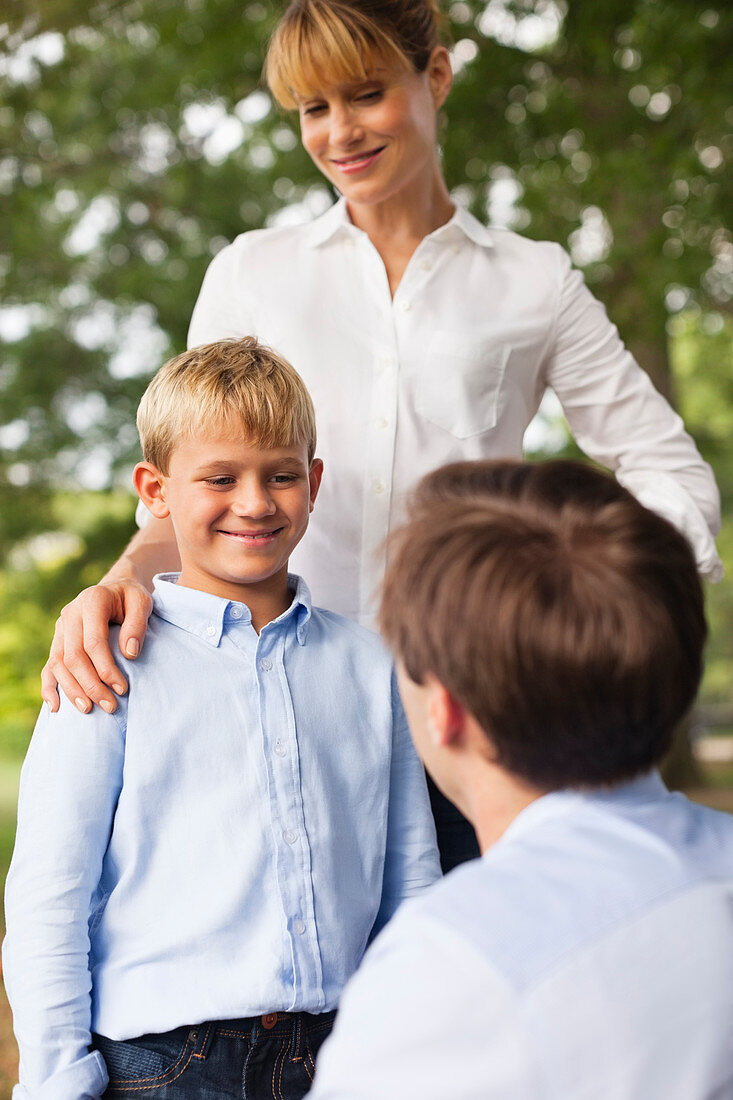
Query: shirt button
x=299, y=926
x=280, y=749
x=290, y=836
x=387, y=361
x=237, y=612
x=383, y=422
x=265, y=664
x=425, y=265
x=405, y=304
x=211, y=630
x=378, y=486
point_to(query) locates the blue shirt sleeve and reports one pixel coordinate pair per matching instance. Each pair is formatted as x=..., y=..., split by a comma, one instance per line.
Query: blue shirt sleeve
x=411, y=861
x=69, y=789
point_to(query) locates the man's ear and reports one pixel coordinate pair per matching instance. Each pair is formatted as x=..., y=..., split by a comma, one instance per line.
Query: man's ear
x=447, y=718
x=151, y=488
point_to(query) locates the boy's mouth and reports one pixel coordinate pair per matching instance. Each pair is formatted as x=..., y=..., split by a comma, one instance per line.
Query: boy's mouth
x=252, y=538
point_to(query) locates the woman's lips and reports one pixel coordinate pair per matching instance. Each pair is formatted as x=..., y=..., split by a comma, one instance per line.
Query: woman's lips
x=358, y=162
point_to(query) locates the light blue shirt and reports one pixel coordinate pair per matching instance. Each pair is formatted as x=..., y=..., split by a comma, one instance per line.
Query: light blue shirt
x=587, y=956
x=224, y=845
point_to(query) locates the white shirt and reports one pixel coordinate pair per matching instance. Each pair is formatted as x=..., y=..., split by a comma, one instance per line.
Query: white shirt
x=587, y=956
x=453, y=368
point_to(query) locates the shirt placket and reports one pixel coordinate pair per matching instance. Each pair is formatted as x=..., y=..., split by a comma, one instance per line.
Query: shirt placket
x=292, y=849
x=397, y=331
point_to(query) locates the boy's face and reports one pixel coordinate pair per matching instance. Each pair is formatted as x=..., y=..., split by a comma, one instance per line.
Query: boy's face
x=238, y=510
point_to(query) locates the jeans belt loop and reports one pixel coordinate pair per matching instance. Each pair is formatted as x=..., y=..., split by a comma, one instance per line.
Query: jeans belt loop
x=201, y=1036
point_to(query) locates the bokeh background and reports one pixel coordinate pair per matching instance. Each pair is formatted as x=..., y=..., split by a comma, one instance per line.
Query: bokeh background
x=136, y=139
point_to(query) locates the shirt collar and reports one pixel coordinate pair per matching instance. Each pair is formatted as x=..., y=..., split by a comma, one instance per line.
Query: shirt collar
x=336, y=221
x=206, y=615
x=648, y=787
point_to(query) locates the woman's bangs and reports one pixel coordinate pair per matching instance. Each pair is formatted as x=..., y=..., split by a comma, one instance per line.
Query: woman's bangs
x=307, y=57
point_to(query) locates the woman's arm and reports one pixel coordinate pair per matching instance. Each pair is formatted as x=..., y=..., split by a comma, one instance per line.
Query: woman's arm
x=81, y=661
x=621, y=421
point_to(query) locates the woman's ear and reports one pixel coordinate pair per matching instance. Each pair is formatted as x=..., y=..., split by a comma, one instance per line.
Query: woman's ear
x=440, y=75
x=151, y=488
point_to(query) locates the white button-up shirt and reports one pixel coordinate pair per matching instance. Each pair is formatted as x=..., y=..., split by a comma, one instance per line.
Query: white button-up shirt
x=587, y=956
x=452, y=368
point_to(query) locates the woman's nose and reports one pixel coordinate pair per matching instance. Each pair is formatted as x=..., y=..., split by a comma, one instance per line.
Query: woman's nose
x=345, y=127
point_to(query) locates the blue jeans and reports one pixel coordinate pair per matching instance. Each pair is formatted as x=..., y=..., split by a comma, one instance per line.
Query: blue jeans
x=257, y=1058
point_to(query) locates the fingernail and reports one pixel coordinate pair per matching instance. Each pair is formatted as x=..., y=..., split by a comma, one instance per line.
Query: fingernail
x=81, y=705
x=106, y=705
x=118, y=689
x=133, y=647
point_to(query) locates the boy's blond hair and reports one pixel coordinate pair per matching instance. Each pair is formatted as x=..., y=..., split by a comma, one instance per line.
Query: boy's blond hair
x=232, y=381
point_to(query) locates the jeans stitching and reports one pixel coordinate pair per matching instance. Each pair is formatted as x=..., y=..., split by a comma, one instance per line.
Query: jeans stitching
x=278, y=1058
x=149, y=1082
x=202, y=1056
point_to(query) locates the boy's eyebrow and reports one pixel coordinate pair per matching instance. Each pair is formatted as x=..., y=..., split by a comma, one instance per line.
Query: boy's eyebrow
x=230, y=464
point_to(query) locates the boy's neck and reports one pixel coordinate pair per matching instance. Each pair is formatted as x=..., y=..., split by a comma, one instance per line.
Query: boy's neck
x=266, y=600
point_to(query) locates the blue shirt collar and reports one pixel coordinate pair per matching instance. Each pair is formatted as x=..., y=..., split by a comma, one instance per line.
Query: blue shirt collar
x=336, y=222
x=207, y=616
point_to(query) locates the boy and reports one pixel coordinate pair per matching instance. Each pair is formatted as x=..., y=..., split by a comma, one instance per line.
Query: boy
x=196, y=876
x=549, y=632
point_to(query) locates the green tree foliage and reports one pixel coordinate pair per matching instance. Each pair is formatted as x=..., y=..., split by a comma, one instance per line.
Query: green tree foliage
x=136, y=139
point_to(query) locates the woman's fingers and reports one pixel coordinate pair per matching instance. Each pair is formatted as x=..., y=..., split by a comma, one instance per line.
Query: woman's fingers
x=137, y=607
x=81, y=661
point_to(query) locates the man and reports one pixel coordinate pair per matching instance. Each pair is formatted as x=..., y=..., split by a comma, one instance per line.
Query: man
x=549, y=632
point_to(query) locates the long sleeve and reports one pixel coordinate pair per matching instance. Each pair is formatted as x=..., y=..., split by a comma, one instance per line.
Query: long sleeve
x=412, y=860
x=621, y=421
x=69, y=788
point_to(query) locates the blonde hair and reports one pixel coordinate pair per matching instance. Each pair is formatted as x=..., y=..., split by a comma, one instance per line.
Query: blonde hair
x=239, y=381
x=319, y=42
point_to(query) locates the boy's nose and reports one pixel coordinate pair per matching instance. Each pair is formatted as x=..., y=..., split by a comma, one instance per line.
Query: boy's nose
x=254, y=501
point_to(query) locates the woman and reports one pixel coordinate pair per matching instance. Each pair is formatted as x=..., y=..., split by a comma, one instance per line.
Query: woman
x=422, y=335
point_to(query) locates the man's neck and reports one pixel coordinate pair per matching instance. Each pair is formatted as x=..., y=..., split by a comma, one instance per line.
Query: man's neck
x=491, y=799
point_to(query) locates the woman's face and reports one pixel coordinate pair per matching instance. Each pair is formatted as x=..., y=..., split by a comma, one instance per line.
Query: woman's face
x=374, y=138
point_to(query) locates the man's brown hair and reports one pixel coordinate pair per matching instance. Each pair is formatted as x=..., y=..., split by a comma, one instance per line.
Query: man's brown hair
x=562, y=614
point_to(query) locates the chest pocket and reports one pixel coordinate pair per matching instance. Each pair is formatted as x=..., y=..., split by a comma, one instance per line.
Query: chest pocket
x=459, y=384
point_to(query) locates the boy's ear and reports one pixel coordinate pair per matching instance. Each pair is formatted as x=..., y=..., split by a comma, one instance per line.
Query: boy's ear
x=314, y=477
x=447, y=718
x=150, y=486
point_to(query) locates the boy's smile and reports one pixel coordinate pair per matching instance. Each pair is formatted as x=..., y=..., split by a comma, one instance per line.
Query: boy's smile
x=239, y=509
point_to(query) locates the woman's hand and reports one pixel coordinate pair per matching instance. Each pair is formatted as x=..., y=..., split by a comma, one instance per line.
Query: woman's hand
x=80, y=661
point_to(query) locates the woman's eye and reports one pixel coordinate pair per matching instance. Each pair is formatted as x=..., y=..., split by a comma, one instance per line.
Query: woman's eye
x=314, y=109
x=370, y=97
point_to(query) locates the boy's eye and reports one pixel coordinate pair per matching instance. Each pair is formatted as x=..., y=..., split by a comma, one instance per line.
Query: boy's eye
x=222, y=481
x=283, y=479
x=313, y=108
